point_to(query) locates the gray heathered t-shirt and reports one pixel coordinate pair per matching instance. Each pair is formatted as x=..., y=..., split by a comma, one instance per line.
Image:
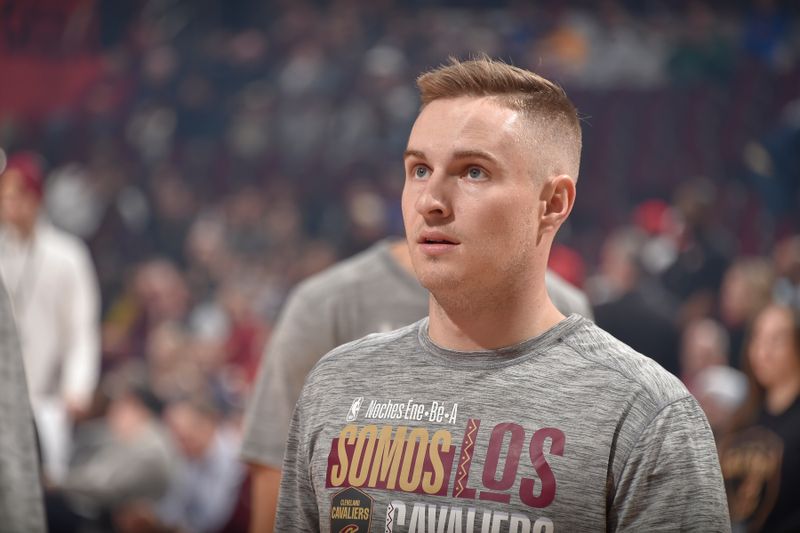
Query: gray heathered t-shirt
x=21, y=508
x=568, y=431
x=367, y=293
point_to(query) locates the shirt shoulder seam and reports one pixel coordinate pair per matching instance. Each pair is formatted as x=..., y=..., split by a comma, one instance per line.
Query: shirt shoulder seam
x=627, y=377
x=644, y=428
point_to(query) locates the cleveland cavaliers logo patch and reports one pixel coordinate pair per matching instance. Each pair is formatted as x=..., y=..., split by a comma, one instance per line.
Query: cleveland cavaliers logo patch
x=351, y=511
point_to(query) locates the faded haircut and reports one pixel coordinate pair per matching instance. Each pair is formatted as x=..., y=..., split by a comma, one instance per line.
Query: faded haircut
x=553, y=118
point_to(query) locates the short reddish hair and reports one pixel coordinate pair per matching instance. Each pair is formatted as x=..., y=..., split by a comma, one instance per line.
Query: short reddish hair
x=29, y=166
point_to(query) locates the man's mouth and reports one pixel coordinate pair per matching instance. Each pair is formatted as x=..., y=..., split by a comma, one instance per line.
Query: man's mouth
x=435, y=243
x=436, y=237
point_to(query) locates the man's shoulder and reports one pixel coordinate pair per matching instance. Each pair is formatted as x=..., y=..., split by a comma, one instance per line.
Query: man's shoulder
x=61, y=243
x=365, y=348
x=629, y=369
x=344, y=275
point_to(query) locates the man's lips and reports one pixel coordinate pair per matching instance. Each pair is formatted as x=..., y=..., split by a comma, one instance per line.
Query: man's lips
x=434, y=243
x=436, y=237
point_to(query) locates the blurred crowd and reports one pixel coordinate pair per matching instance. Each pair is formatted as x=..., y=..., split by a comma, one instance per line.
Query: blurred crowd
x=219, y=152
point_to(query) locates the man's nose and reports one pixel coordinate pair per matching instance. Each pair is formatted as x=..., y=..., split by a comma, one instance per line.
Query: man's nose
x=434, y=200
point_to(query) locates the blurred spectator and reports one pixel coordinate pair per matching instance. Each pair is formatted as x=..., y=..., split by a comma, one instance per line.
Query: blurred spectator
x=54, y=290
x=720, y=391
x=210, y=260
x=246, y=234
x=563, y=51
x=209, y=479
x=704, y=344
x=623, y=53
x=123, y=461
x=787, y=265
x=772, y=161
x=245, y=340
x=21, y=508
x=746, y=289
x=174, y=209
x=657, y=220
x=766, y=31
x=704, y=250
x=173, y=366
x=632, y=307
x=703, y=51
x=367, y=215
x=761, y=459
x=157, y=294
x=705, y=371
x=73, y=202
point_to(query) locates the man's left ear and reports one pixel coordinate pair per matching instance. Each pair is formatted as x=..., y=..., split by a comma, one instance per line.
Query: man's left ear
x=557, y=199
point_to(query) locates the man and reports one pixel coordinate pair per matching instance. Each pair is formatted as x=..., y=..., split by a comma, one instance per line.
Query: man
x=204, y=492
x=495, y=413
x=121, y=464
x=21, y=509
x=54, y=292
x=633, y=294
x=373, y=291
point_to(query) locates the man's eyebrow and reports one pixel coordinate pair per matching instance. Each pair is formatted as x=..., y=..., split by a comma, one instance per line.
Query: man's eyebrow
x=413, y=153
x=475, y=154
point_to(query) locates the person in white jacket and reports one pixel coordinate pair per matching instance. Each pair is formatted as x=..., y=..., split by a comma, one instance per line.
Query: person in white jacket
x=55, y=296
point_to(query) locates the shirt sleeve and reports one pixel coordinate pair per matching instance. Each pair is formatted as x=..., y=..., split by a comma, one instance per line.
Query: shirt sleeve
x=297, y=501
x=81, y=321
x=671, y=480
x=304, y=333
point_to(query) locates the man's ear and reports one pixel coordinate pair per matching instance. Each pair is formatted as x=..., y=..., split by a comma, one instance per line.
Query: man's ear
x=557, y=199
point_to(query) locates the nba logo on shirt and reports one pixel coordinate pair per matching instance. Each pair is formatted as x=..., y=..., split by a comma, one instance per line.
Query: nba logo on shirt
x=354, y=409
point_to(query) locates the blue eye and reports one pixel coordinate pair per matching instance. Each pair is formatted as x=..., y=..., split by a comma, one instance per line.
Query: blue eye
x=420, y=172
x=476, y=173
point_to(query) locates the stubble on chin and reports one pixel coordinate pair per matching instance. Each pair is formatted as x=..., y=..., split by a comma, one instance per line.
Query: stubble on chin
x=456, y=293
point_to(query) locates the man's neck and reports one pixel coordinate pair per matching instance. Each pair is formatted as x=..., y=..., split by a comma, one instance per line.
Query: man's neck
x=21, y=232
x=492, y=323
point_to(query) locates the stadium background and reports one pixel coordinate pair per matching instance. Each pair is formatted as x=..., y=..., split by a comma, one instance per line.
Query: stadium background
x=213, y=154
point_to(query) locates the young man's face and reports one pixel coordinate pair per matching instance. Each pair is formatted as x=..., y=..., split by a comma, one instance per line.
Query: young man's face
x=18, y=206
x=471, y=199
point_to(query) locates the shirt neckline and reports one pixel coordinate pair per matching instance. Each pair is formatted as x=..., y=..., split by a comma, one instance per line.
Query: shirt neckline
x=506, y=356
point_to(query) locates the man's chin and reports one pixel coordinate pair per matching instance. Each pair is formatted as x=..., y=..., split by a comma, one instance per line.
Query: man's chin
x=439, y=279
